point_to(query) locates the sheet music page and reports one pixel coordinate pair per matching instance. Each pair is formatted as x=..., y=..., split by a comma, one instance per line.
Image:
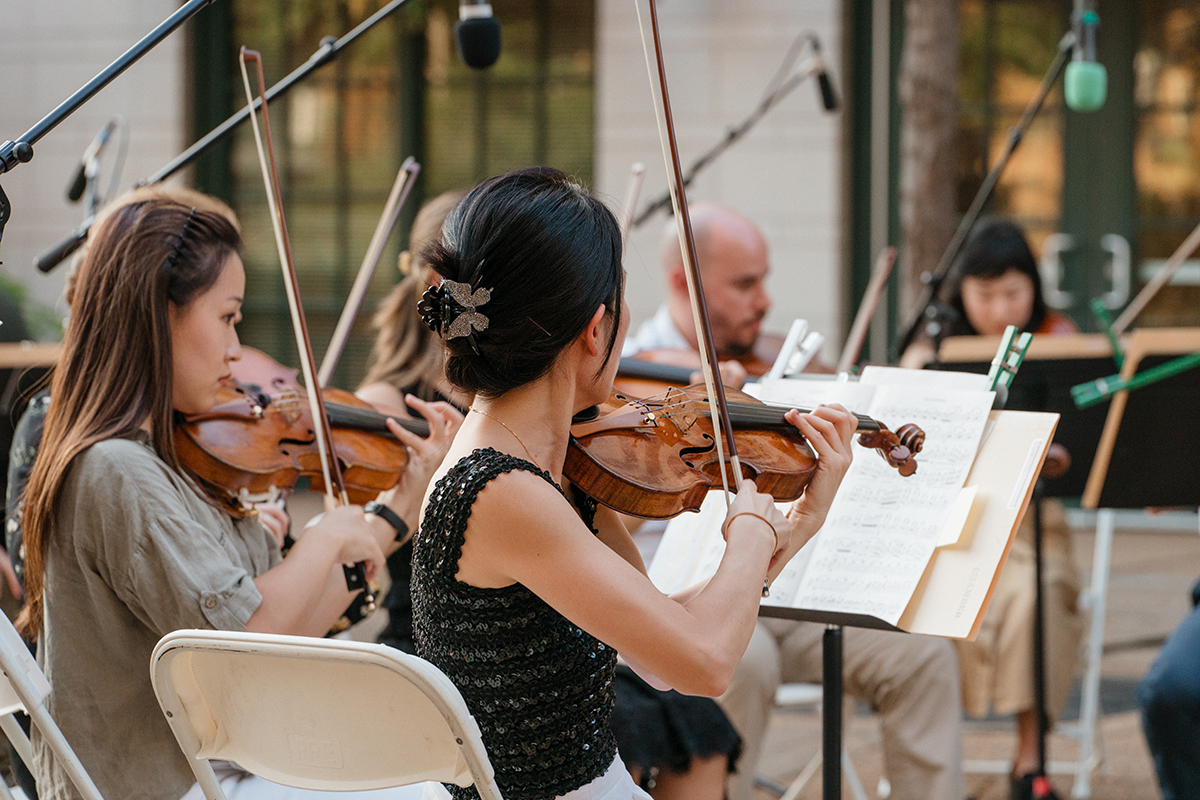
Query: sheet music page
x=883, y=528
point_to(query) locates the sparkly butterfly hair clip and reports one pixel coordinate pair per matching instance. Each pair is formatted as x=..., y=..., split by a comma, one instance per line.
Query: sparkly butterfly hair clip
x=449, y=310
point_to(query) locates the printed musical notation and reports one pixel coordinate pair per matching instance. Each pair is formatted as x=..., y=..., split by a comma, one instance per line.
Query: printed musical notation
x=882, y=528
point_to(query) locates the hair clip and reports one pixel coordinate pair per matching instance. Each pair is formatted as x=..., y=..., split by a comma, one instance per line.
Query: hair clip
x=449, y=309
x=177, y=250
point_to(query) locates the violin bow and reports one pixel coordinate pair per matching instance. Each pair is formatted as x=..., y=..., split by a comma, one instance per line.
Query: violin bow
x=335, y=488
x=401, y=189
x=722, y=426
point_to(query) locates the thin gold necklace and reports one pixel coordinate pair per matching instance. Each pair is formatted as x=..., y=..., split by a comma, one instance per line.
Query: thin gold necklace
x=510, y=430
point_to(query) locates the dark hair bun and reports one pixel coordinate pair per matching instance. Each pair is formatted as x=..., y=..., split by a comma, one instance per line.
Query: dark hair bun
x=548, y=255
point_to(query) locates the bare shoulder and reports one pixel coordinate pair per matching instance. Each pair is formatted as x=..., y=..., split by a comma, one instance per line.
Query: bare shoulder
x=518, y=522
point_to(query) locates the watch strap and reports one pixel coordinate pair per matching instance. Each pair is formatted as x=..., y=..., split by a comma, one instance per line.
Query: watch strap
x=390, y=517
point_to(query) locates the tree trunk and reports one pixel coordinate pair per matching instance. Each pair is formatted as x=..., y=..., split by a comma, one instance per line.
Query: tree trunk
x=928, y=91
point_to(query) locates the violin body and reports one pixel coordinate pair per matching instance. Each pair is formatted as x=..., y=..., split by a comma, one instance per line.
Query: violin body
x=656, y=458
x=259, y=439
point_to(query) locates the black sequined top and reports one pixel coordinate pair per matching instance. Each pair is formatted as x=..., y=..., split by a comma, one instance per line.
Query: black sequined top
x=540, y=688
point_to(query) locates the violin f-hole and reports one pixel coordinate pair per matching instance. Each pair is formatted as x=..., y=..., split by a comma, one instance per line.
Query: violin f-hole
x=704, y=449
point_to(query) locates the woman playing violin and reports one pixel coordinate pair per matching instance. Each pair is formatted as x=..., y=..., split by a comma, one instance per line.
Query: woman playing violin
x=522, y=592
x=122, y=544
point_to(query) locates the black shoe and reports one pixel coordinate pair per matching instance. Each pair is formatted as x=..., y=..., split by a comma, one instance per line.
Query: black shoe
x=1032, y=787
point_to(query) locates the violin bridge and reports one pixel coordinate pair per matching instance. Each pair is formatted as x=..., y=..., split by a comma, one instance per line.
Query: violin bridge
x=674, y=407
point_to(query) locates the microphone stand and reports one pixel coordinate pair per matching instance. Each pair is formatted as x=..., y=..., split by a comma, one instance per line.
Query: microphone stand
x=20, y=151
x=933, y=281
x=326, y=52
x=732, y=135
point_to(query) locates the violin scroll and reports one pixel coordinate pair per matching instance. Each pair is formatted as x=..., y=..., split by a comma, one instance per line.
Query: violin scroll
x=898, y=448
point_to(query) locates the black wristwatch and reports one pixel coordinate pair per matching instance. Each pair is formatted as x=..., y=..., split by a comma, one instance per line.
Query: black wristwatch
x=390, y=517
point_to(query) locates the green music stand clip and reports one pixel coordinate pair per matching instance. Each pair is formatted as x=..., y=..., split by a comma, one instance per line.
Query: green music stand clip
x=1106, y=327
x=1008, y=358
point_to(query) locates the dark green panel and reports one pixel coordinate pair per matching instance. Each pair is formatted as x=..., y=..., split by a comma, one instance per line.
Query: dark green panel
x=856, y=82
x=213, y=60
x=856, y=122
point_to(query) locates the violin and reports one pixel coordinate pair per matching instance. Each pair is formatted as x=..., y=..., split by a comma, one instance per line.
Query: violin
x=259, y=439
x=656, y=457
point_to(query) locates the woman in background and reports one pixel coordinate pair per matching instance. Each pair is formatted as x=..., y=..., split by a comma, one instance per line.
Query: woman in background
x=407, y=359
x=996, y=284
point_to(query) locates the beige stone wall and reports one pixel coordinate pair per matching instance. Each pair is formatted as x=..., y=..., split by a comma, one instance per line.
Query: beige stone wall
x=785, y=174
x=48, y=50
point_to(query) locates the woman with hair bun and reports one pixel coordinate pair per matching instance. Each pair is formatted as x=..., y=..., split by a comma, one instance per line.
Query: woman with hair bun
x=524, y=589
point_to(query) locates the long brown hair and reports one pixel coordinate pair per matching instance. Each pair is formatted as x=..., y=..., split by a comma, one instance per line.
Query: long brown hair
x=406, y=354
x=116, y=369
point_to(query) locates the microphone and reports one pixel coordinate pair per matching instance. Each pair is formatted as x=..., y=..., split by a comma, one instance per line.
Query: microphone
x=79, y=182
x=824, y=84
x=477, y=34
x=1086, y=82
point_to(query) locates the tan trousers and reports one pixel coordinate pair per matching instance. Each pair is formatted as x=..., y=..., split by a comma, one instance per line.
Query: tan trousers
x=910, y=681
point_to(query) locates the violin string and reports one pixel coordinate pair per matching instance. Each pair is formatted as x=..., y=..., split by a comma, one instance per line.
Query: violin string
x=748, y=412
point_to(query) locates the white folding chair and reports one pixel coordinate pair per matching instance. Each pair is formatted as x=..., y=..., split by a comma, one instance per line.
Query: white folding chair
x=324, y=714
x=25, y=688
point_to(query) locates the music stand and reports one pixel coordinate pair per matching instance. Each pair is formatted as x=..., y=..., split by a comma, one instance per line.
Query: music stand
x=944, y=581
x=1095, y=437
x=832, y=685
x=1052, y=365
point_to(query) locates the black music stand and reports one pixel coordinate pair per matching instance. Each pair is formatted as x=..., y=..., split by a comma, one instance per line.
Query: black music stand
x=831, y=682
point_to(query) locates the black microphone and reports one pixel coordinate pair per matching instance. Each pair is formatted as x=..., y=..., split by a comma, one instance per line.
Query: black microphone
x=828, y=95
x=79, y=183
x=477, y=33
x=61, y=251
x=1085, y=84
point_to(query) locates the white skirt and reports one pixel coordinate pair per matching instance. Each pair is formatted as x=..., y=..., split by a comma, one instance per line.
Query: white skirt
x=615, y=784
x=241, y=785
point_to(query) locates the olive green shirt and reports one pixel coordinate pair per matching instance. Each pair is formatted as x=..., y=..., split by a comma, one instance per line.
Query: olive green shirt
x=136, y=553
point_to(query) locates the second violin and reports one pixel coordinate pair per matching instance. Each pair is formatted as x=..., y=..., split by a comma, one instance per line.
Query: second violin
x=259, y=439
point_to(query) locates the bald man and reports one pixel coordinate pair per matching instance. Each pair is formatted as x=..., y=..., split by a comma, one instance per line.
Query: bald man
x=735, y=290
x=912, y=682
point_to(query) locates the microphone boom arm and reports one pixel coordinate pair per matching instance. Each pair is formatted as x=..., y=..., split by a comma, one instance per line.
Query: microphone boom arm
x=810, y=67
x=327, y=51
x=21, y=150
x=933, y=281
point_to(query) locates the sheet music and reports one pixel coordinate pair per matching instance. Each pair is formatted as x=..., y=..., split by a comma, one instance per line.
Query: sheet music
x=883, y=528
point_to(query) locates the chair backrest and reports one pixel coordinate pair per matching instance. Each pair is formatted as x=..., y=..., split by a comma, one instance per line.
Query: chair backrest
x=325, y=714
x=23, y=686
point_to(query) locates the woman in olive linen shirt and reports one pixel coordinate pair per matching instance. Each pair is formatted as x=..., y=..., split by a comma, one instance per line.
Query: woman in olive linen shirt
x=122, y=545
